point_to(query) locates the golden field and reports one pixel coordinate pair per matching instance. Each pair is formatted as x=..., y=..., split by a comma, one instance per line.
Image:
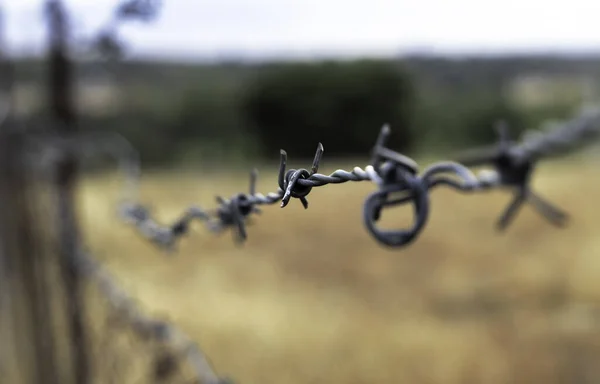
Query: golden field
x=312, y=298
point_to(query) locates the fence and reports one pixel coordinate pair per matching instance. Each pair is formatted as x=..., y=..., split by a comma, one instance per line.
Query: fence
x=37, y=311
x=64, y=318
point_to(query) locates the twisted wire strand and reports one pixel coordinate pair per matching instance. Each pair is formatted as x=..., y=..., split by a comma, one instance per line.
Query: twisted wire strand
x=144, y=325
x=260, y=199
x=224, y=216
x=338, y=176
x=464, y=180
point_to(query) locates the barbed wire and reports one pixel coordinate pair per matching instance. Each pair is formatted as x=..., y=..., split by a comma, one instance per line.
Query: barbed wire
x=396, y=176
x=393, y=173
x=147, y=327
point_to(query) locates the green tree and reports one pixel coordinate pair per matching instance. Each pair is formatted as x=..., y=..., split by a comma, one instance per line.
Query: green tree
x=342, y=104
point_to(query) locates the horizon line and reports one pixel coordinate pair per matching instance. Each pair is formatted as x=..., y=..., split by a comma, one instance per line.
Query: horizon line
x=283, y=56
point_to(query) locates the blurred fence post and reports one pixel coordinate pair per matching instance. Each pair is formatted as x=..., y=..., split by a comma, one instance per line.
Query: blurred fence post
x=28, y=340
x=42, y=317
x=62, y=107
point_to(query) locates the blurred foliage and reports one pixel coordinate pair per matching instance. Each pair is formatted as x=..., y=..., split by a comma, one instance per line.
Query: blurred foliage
x=233, y=111
x=467, y=120
x=342, y=104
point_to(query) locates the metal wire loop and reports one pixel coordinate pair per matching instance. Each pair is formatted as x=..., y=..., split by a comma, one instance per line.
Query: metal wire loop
x=396, y=174
x=418, y=196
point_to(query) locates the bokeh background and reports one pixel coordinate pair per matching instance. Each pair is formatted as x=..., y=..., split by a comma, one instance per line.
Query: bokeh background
x=206, y=91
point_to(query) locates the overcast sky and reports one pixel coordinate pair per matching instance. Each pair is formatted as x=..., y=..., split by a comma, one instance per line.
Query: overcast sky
x=209, y=28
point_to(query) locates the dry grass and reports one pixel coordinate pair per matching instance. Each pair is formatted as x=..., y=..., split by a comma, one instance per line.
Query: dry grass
x=311, y=298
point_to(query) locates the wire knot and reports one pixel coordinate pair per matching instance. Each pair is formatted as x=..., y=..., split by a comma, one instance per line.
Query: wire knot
x=291, y=182
x=292, y=188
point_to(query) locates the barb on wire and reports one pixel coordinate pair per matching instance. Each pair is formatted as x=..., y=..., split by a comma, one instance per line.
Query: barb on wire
x=144, y=325
x=513, y=169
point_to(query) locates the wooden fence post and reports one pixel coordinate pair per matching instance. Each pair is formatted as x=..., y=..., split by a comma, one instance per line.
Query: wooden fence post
x=61, y=89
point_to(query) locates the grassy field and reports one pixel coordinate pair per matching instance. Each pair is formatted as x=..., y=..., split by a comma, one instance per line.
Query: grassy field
x=311, y=298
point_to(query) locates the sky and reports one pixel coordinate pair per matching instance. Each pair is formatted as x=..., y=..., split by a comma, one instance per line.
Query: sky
x=347, y=28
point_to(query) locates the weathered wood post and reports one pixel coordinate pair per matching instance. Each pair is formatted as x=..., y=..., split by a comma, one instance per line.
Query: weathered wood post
x=28, y=340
